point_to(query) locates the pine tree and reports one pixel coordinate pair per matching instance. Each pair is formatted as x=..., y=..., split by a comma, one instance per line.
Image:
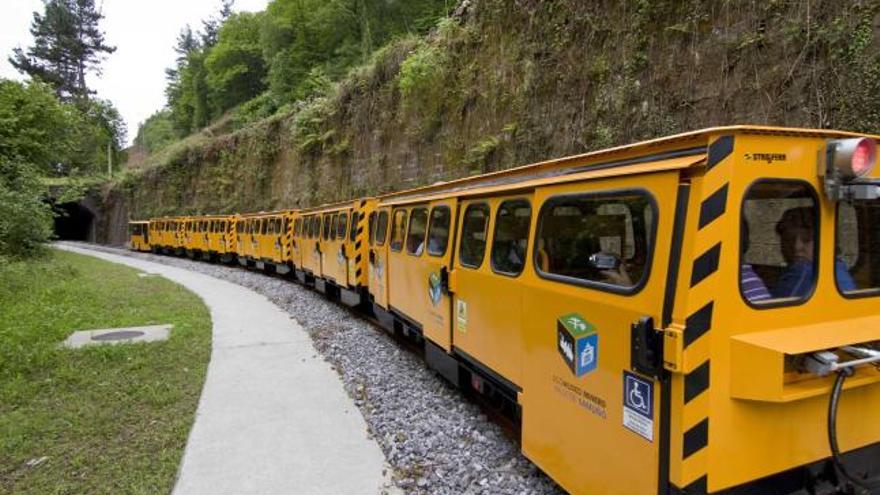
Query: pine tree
x=68, y=44
x=211, y=26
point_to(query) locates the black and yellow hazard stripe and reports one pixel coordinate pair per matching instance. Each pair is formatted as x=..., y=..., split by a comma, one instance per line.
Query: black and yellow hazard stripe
x=287, y=242
x=360, y=242
x=691, y=388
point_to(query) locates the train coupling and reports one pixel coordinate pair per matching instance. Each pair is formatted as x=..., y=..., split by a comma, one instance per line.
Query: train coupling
x=824, y=363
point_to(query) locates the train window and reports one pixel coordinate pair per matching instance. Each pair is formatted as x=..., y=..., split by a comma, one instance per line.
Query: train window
x=778, y=252
x=286, y=226
x=381, y=227
x=279, y=223
x=511, y=236
x=328, y=226
x=438, y=232
x=398, y=230
x=418, y=225
x=600, y=240
x=297, y=227
x=315, y=228
x=371, y=228
x=341, y=226
x=355, y=218
x=473, y=235
x=857, y=264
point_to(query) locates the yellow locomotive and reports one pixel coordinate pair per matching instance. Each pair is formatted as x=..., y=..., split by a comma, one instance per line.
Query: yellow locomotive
x=687, y=315
x=139, y=236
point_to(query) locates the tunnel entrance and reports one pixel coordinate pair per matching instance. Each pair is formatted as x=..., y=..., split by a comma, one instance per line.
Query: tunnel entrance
x=74, y=222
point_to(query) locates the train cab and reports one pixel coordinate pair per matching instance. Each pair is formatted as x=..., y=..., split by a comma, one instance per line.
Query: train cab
x=331, y=249
x=139, y=236
x=262, y=241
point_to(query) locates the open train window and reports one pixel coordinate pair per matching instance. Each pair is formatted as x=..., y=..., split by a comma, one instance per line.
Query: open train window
x=474, y=229
x=857, y=257
x=398, y=230
x=600, y=240
x=418, y=226
x=341, y=226
x=778, y=248
x=438, y=232
x=381, y=227
x=355, y=218
x=511, y=237
x=371, y=228
x=297, y=227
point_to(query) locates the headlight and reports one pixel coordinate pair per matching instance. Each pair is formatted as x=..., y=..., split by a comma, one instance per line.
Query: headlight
x=852, y=158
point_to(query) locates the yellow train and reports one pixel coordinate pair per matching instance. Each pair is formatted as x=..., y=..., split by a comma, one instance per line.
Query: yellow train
x=687, y=315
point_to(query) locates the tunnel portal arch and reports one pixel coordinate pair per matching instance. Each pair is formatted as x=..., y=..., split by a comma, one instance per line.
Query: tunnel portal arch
x=74, y=221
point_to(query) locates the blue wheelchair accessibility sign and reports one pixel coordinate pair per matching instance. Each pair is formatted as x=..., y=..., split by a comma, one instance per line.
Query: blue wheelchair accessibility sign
x=638, y=405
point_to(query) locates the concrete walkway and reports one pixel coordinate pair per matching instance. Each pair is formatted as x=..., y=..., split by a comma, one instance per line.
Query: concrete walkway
x=273, y=417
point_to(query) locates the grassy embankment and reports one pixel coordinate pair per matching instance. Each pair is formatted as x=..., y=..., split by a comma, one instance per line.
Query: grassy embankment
x=109, y=419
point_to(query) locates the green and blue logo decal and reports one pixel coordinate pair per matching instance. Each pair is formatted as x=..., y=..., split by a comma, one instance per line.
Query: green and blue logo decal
x=578, y=343
x=434, y=289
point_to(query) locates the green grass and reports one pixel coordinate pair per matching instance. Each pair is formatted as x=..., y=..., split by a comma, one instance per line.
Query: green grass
x=109, y=419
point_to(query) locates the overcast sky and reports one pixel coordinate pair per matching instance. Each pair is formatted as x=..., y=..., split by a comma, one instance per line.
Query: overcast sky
x=144, y=34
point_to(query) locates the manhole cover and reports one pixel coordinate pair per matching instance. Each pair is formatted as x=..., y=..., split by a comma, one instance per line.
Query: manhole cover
x=122, y=335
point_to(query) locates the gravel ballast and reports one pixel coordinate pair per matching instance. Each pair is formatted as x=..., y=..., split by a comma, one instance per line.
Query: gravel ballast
x=435, y=439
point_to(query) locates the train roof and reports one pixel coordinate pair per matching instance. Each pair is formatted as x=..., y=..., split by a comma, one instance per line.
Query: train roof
x=677, y=151
x=260, y=214
x=340, y=205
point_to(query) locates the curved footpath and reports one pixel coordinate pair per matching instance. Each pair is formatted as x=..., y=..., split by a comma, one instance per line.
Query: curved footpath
x=273, y=416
